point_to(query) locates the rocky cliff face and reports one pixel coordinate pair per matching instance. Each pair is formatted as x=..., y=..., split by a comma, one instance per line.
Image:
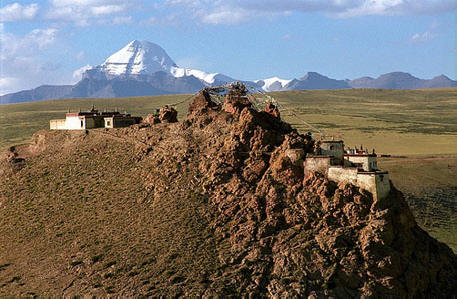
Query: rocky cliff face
x=217, y=204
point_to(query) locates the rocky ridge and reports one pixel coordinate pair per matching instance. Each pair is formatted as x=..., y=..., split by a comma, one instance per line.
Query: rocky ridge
x=262, y=227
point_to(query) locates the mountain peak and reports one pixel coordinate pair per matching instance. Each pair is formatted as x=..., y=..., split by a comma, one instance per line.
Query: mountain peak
x=138, y=58
x=401, y=75
x=313, y=75
x=144, y=44
x=441, y=77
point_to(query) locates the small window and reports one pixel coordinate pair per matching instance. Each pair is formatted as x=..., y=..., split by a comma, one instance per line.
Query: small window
x=381, y=177
x=82, y=124
x=108, y=123
x=331, y=147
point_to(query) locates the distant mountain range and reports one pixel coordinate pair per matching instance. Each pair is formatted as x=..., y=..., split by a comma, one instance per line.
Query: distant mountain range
x=143, y=68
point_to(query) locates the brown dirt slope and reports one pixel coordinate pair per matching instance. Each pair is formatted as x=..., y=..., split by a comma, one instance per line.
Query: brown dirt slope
x=217, y=204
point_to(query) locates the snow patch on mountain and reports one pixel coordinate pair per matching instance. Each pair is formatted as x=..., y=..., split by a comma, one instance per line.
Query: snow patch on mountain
x=273, y=83
x=179, y=72
x=77, y=74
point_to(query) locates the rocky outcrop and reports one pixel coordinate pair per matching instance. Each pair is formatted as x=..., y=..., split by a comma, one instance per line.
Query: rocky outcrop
x=292, y=235
x=151, y=119
x=168, y=115
x=202, y=103
x=273, y=110
x=10, y=162
x=165, y=114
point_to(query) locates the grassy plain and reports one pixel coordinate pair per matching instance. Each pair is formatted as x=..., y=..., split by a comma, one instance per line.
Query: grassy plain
x=397, y=122
x=18, y=122
x=417, y=127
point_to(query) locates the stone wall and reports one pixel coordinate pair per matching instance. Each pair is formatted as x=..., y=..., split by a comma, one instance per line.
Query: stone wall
x=382, y=184
x=94, y=122
x=57, y=124
x=319, y=164
x=120, y=122
x=343, y=174
x=367, y=162
x=377, y=183
x=90, y=123
x=367, y=181
x=335, y=149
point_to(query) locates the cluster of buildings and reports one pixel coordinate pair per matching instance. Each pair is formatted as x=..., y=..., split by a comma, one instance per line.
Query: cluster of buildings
x=356, y=167
x=93, y=119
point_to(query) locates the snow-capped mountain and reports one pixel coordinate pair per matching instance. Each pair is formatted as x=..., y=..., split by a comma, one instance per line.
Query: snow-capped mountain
x=272, y=84
x=143, y=58
x=138, y=58
x=212, y=78
x=142, y=68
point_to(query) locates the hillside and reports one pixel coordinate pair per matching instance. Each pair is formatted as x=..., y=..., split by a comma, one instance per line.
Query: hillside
x=214, y=205
x=418, y=124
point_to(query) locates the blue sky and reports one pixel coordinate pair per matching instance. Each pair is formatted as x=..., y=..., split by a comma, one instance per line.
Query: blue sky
x=46, y=41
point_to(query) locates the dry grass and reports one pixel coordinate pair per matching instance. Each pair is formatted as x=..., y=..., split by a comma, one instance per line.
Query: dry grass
x=430, y=185
x=18, y=122
x=398, y=122
x=82, y=213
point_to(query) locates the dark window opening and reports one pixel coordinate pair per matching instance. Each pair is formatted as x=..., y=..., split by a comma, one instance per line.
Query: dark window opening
x=82, y=124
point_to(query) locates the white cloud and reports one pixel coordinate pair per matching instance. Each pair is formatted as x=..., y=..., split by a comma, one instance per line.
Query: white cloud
x=122, y=20
x=240, y=11
x=6, y=83
x=195, y=3
x=374, y=7
x=424, y=36
x=82, y=3
x=17, y=12
x=107, y=9
x=149, y=21
x=77, y=75
x=80, y=55
x=16, y=46
x=42, y=37
x=225, y=15
x=22, y=60
x=86, y=12
x=421, y=37
x=349, y=8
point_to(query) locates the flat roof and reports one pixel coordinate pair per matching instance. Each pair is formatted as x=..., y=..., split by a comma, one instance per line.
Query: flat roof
x=360, y=155
x=319, y=156
x=343, y=167
x=373, y=172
